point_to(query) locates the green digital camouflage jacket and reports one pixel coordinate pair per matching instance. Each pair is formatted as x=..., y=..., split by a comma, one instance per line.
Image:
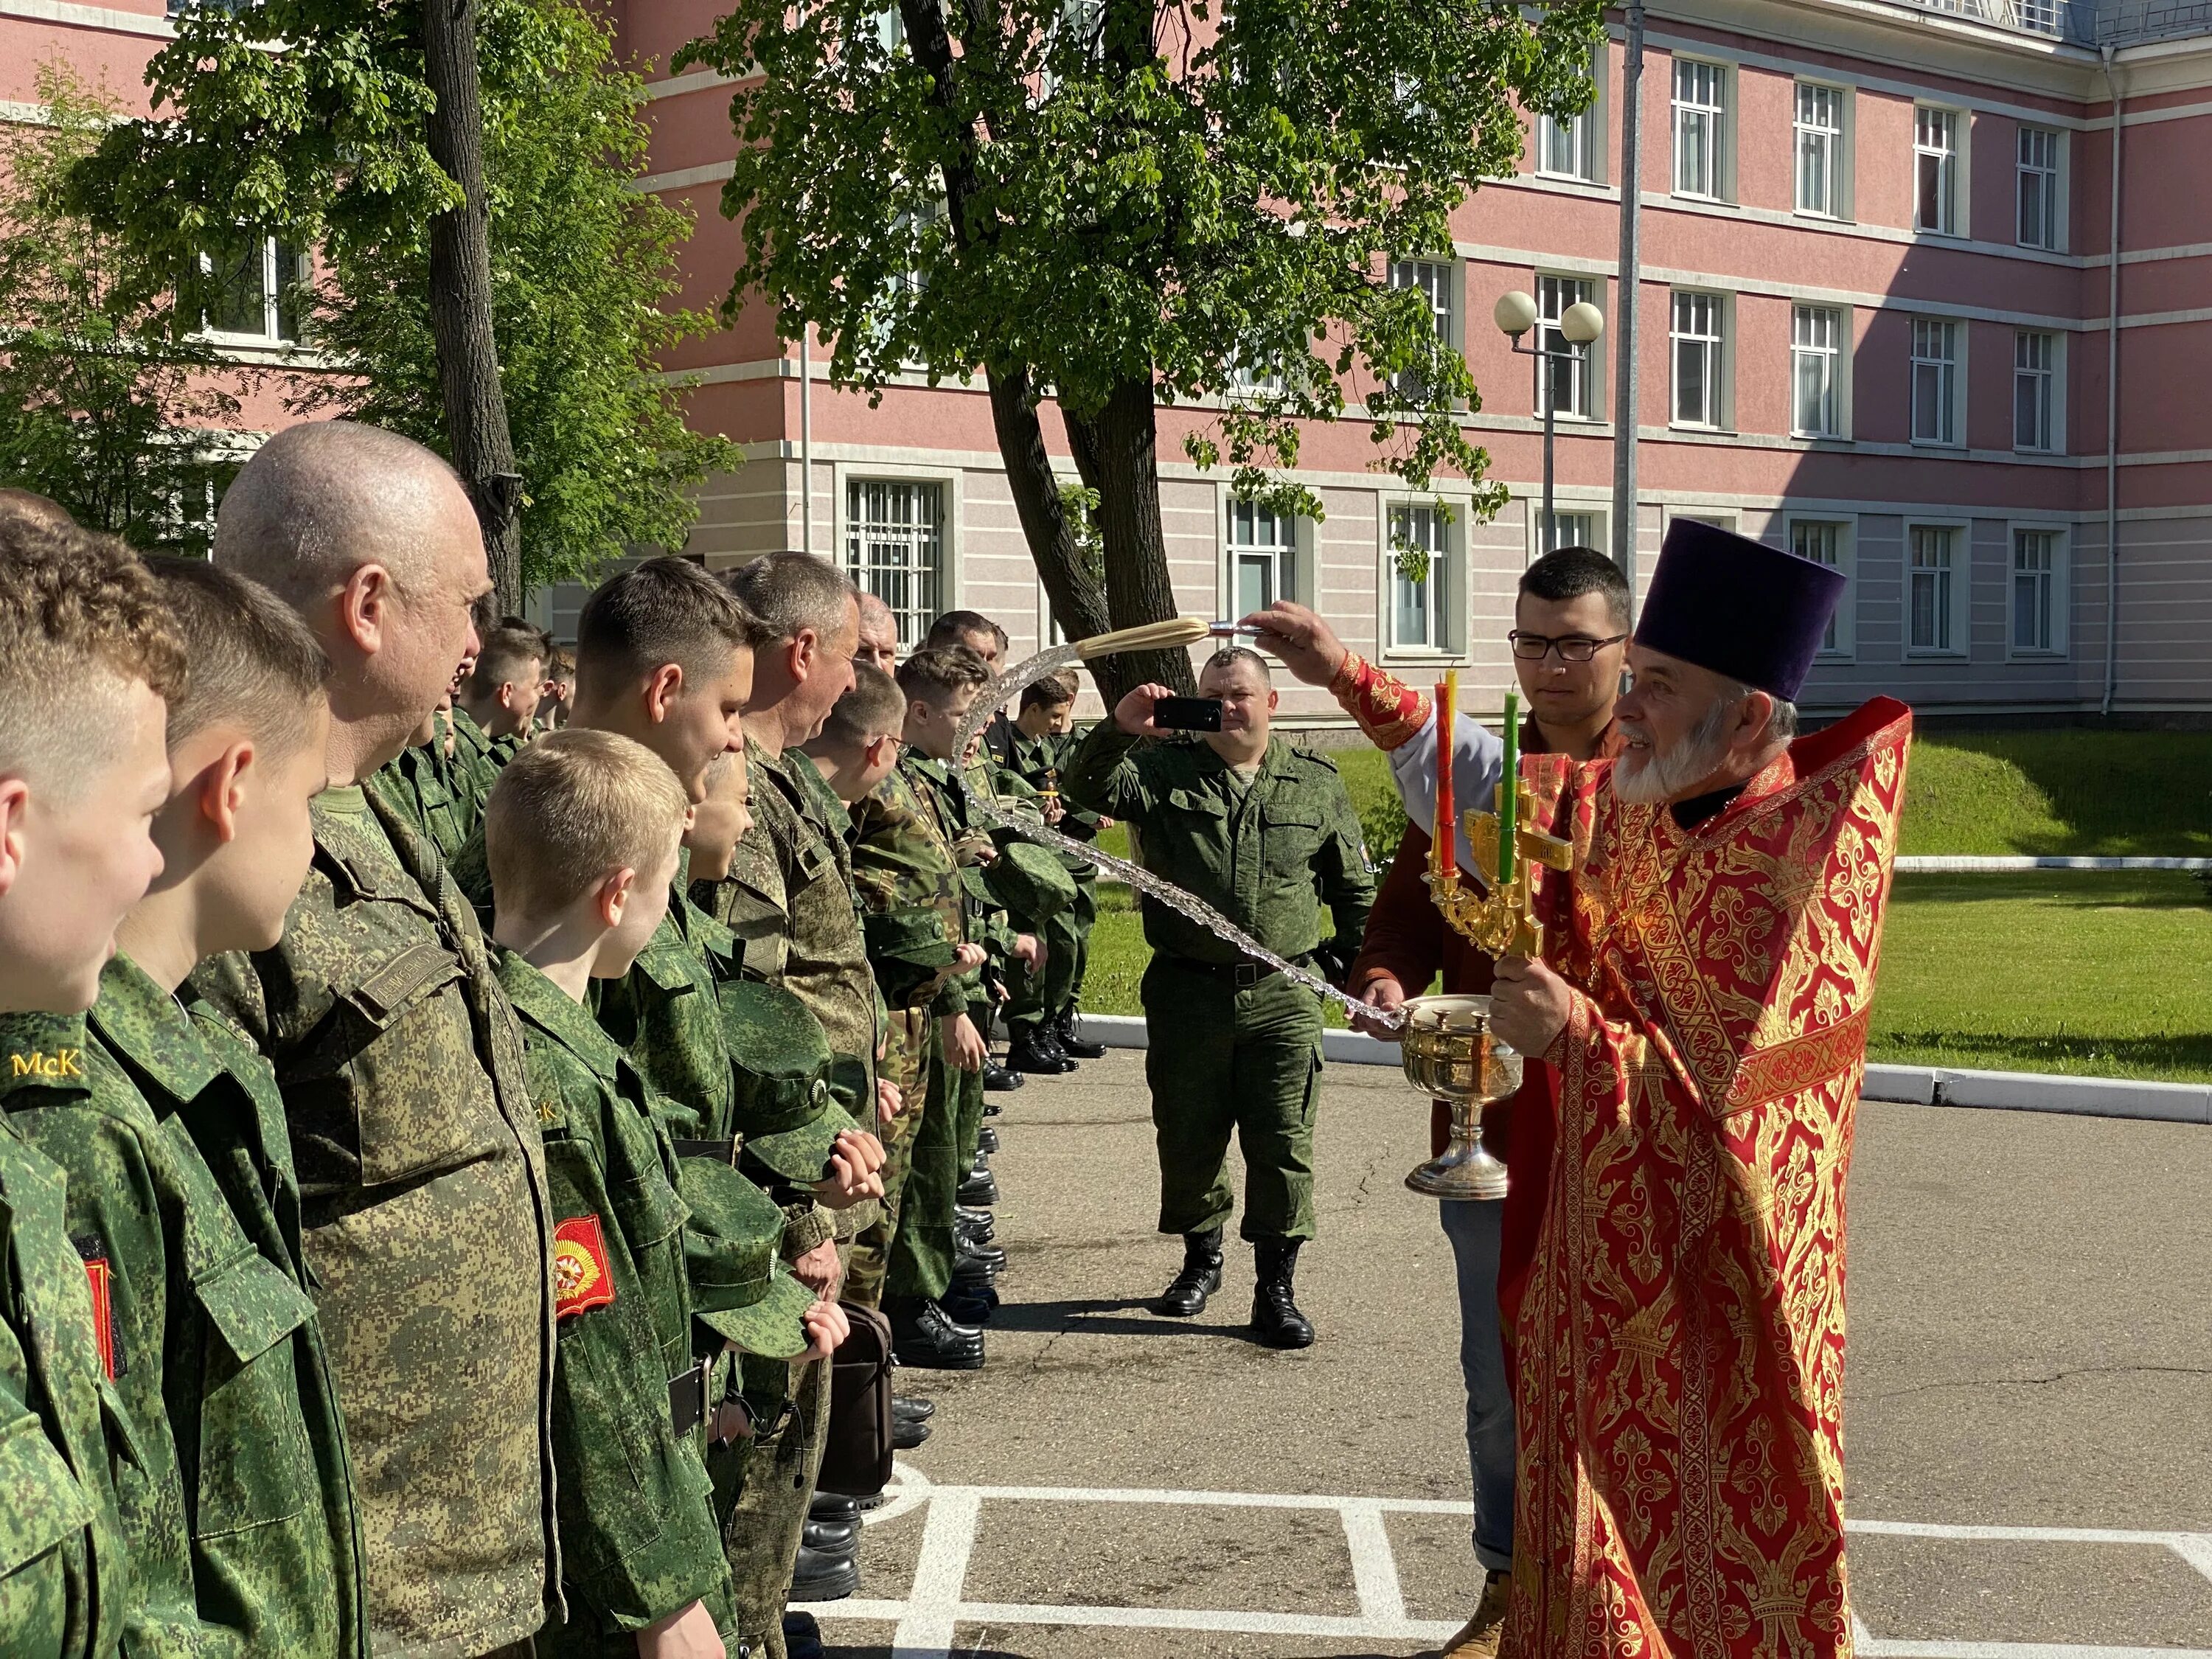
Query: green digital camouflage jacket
x=475, y=771
x=210, y=1337
x=664, y=1016
x=1039, y=761
x=1267, y=853
x=418, y=784
x=67, y=1587
x=638, y=1536
x=427, y=1228
x=903, y=867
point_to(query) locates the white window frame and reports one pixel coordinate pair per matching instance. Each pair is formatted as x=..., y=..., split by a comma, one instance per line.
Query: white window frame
x=1565, y=510
x=2060, y=580
x=1707, y=105
x=1585, y=134
x=1836, y=140
x=1950, y=373
x=273, y=281
x=1717, y=414
x=1958, y=578
x=1446, y=597
x=1836, y=351
x=1949, y=157
x=1292, y=553
x=949, y=596
x=1841, y=642
x=1555, y=293
x=2052, y=373
x=1438, y=280
x=2049, y=171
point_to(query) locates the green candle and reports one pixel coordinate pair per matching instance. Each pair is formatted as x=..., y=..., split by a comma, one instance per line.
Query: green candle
x=1509, y=790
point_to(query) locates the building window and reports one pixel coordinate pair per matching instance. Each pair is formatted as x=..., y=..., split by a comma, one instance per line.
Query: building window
x=1819, y=134
x=1935, y=381
x=1700, y=128
x=2038, y=188
x=1248, y=379
x=1935, y=170
x=1816, y=361
x=1263, y=557
x=2039, y=613
x=1566, y=381
x=1433, y=278
x=1697, y=339
x=1422, y=612
x=256, y=287
x=1566, y=530
x=2035, y=391
x=1566, y=146
x=895, y=549
x=1931, y=599
x=1827, y=541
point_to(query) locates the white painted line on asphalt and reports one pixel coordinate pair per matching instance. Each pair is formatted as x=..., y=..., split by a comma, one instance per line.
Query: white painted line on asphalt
x=912, y=1491
x=1975, y=1534
x=1234, y=1500
x=925, y=1629
x=1374, y=1567
x=1192, y=1619
x=2195, y=1548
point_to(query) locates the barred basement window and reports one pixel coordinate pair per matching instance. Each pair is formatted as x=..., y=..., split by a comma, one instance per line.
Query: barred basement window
x=895, y=549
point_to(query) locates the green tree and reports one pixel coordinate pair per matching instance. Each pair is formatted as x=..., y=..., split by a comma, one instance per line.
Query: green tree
x=315, y=120
x=109, y=403
x=1118, y=203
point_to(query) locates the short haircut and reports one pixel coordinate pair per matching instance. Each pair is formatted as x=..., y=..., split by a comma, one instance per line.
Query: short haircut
x=1568, y=573
x=935, y=673
x=954, y=626
x=570, y=808
x=1229, y=655
x=323, y=498
x=483, y=615
x=1053, y=691
x=561, y=665
x=506, y=652
x=667, y=609
x=874, y=707
x=253, y=660
x=80, y=618
x=791, y=591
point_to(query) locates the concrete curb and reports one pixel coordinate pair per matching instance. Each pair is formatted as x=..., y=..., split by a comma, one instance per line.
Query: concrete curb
x=1919, y=1085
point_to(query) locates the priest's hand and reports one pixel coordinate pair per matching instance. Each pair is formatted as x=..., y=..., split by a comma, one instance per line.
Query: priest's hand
x=1384, y=993
x=1308, y=645
x=1529, y=1005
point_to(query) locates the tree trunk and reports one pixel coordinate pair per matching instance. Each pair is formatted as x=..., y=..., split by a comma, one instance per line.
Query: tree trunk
x=1078, y=603
x=460, y=295
x=1116, y=451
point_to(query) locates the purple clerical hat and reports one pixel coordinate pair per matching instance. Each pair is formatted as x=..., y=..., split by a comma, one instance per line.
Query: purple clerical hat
x=1738, y=607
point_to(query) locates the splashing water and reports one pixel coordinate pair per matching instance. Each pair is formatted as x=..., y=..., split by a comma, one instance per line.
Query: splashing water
x=1030, y=825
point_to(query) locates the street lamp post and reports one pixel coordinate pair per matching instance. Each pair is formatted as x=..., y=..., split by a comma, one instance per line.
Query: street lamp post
x=1515, y=314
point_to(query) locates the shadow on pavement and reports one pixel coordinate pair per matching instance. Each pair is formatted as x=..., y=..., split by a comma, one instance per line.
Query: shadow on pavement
x=1087, y=1315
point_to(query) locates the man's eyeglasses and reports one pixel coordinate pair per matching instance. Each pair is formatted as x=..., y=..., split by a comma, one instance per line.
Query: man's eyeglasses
x=1571, y=647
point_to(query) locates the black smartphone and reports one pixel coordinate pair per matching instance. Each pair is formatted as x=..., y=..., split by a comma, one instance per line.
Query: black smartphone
x=1188, y=713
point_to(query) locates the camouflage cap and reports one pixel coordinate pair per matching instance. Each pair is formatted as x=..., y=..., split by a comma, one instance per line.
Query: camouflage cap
x=744, y=1293
x=913, y=934
x=1030, y=880
x=784, y=1108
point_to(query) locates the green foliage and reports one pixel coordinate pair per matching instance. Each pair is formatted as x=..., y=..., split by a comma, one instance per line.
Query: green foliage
x=1116, y=192
x=2076, y=792
x=322, y=143
x=106, y=404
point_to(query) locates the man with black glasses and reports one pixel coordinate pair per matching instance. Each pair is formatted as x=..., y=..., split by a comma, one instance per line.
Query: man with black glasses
x=1570, y=636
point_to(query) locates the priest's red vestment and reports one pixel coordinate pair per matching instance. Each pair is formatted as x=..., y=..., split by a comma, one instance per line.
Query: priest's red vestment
x=1680, y=1385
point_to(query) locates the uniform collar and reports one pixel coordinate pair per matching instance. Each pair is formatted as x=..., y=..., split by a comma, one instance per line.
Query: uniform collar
x=557, y=1014
x=42, y=1051
x=143, y=1023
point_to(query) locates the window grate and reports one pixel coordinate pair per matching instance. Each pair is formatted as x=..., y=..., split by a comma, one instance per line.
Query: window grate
x=895, y=549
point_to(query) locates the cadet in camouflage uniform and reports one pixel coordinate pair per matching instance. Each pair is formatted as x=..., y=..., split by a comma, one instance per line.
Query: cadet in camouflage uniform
x=1044, y=742
x=501, y=697
x=640, y=1273
x=1265, y=833
x=422, y=785
x=421, y=1172
x=77, y=609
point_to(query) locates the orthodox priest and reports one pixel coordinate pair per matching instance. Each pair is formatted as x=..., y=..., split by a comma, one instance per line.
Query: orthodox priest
x=1710, y=966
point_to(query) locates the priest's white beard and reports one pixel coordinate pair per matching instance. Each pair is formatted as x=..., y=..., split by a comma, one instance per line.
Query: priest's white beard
x=1647, y=776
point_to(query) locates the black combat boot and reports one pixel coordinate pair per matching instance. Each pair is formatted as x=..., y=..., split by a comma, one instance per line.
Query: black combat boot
x=1063, y=1032
x=998, y=1080
x=979, y=1187
x=986, y=1141
x=1185, y=1295
x=924, y=1339
x=976, y=1224
x=967, y=1247
x=1031, y=1050
x=1275, y=1317
x=817, y=1576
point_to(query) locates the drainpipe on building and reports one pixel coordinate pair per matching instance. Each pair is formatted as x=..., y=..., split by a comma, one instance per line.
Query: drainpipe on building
x=1629, y=287
x=805, y=441
x=2112, y=406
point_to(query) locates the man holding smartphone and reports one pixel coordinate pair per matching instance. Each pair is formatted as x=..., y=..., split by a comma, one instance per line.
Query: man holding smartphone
x=1265, y=833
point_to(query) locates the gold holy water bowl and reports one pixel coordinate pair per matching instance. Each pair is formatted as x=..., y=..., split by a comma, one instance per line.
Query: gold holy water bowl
x=1449, y=1053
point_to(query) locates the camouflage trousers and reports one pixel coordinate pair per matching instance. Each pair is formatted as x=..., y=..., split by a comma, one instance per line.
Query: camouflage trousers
x=923, y=1245
x=1041, y=997
x=760, y=1535
x=906, y=1065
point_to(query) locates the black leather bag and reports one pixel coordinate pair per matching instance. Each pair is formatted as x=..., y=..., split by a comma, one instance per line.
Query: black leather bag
x=856, y=1460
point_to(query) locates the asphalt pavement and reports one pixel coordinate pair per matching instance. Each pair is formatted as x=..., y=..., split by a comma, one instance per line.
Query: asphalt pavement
x=2028, y=1415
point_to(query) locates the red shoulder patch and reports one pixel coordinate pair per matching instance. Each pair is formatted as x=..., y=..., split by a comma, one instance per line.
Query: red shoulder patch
x=581, y=1279
x=101, y=1278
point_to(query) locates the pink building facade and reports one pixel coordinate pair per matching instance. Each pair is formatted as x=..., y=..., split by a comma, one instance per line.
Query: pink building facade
x=1875, y=323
